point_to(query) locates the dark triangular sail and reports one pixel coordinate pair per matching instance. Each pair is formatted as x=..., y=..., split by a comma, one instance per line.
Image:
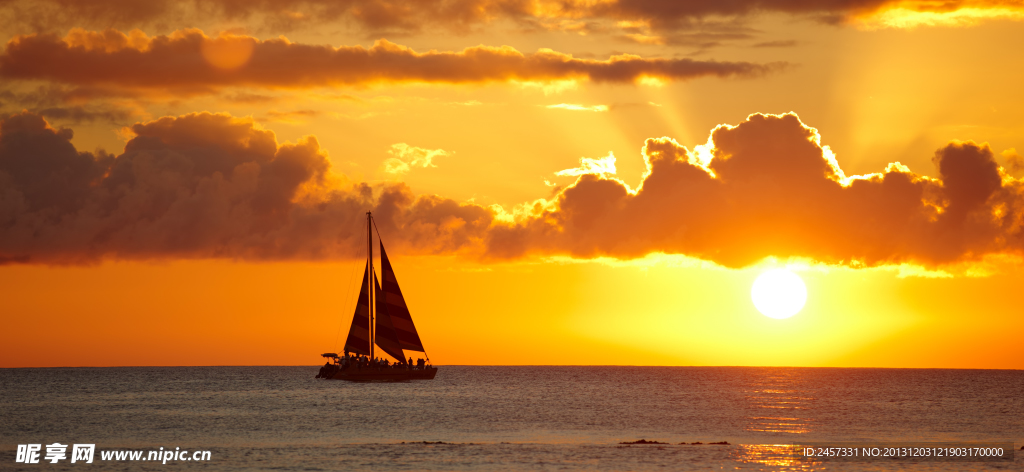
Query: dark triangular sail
x=384, y=331
x=395, y=304
x=359, y=334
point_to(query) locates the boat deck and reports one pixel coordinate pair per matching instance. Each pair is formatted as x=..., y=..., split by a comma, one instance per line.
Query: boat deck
x=392, y=374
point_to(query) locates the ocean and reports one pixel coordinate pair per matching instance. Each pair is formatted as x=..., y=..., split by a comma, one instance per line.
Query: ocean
x=509, y=418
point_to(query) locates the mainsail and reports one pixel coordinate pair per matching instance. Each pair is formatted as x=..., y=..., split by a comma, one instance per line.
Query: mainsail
x=395, y=307
x=359, y=334
x=384, y=331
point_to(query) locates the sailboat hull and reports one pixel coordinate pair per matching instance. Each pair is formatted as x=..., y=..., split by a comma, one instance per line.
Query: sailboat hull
x=368, y=374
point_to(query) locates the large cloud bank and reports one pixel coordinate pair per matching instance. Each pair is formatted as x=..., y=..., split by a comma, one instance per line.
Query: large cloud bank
x=210, y=185
x=198, y=186
x=767, y=187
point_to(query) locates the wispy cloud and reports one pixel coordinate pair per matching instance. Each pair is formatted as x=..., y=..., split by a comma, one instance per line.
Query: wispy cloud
x=601, y=165
x=575, y=107
x=291, y=117
x=406, y=157
x=777, y=44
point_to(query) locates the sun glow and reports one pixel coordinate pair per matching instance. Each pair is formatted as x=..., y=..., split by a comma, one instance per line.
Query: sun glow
x=227, y=51
x=778, y=293
x=910, y=18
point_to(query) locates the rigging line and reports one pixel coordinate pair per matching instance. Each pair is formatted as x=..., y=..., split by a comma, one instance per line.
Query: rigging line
x=348, y=292
x=375, y=228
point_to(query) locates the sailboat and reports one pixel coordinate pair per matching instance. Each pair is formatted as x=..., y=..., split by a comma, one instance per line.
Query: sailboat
x=381, y=320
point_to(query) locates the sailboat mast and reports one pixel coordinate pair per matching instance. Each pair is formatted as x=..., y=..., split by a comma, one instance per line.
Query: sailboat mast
x=369, y=275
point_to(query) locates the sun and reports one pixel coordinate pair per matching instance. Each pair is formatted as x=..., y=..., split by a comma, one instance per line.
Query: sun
x=778, y=293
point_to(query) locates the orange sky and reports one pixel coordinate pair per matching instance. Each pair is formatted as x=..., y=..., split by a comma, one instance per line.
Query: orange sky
x=185, y=183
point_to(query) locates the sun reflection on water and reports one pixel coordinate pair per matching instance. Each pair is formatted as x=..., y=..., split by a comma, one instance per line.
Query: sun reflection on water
x=784, y=456
x=777, y=407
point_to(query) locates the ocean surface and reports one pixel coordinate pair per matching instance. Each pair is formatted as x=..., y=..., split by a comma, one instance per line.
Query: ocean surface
x=507, y=418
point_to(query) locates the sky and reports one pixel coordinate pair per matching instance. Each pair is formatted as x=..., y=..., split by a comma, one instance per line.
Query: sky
x=571, y=182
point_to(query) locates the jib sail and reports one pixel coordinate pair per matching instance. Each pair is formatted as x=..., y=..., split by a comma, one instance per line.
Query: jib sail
x=359, y=334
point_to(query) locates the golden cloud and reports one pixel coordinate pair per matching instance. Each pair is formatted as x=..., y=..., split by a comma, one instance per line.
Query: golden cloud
x=208, y=185
x=700, y=23
x=768, y=187
x=188, y=60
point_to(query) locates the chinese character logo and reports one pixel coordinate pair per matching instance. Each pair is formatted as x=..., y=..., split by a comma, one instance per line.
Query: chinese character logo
x=28, y=453
x=82, y=452
x=55, y=452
